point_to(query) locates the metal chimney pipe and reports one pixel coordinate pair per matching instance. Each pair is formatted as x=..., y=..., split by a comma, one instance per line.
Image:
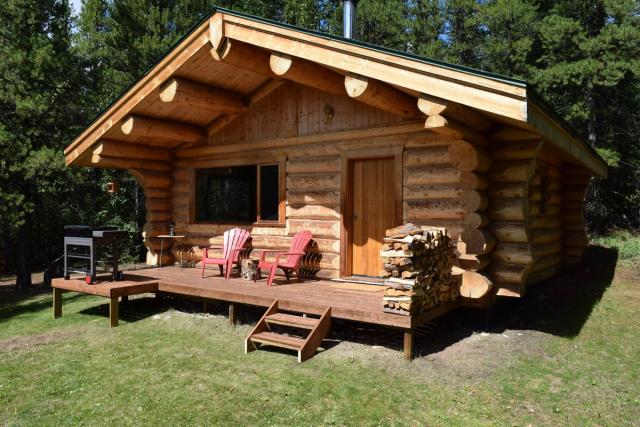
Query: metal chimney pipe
x=349, y=18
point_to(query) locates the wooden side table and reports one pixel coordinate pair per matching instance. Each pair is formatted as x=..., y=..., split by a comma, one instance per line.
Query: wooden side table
x=169, y=236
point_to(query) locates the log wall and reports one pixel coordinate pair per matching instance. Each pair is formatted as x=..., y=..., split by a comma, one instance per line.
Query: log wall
x=512, y=202
x=574, y=233
x=545, y=196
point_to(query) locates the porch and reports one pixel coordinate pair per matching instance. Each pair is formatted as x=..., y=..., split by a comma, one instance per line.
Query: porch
x=348, y=301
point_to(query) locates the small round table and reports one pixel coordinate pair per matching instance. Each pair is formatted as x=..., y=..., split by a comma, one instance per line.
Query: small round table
x=169, y=236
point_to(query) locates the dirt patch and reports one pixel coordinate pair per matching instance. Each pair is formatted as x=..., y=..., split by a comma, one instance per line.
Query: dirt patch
x=21, y=343
x=474, y=357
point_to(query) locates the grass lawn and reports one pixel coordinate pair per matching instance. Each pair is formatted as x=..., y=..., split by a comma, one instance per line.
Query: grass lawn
x=568, y=354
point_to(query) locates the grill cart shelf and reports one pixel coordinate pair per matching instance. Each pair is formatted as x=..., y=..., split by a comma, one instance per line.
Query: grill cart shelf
x=81, y=242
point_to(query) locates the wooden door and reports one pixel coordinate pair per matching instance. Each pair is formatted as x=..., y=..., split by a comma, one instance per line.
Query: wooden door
x=372, y=212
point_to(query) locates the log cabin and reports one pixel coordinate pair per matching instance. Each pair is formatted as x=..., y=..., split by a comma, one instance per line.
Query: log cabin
x=253, y=123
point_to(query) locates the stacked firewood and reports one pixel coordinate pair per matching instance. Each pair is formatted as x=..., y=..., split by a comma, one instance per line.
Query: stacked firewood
x=417, y=262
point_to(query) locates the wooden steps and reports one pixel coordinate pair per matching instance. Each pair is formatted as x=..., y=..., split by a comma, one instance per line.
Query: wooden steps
x=306, y=347
x=292, y=320
x=278, y=340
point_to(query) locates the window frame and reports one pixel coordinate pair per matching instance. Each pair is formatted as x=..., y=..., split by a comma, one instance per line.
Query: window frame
x=280, y=222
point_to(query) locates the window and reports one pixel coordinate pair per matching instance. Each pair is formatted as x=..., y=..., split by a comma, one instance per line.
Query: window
x=238, y=194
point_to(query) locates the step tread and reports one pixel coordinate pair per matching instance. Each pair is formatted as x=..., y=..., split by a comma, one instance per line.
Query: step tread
x=278, y=340
x=292, y=320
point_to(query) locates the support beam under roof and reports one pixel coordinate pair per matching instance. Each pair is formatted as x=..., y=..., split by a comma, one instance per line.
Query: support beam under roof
x=189, y=94
x=157, y=128
x=380, y=95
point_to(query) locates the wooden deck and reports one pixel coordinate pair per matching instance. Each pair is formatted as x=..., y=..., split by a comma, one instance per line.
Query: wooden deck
x=349, y=301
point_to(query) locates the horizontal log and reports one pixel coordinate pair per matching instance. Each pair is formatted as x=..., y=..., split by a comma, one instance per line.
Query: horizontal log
x=113, y=148
x=149, y=180
x=431, y=175
x=513, y=253
x=314, y=165
x=517, y=151
x=508, y=273
x=306, y=73
x=158, y=193
x=511, y=134
x=242, y=55
x=158, y=216
x=507, y=190
x=546, y=262
x=189, y=94
x=553, y=172
x=554, y=184
x=160, y=205
x=380, y=95
x=545, y=222
x=475, y=284
x=474, y=201
x=545, y=235
x=436, y=191
x=156, y=128
x=99, y=161
x=541, y=250
x=449, y=128
x=553, y=198
x=574, y=252
x=313, y=197
x=435, y=155
x=475, y=220
x=535, y=277
x=473, y=262
x=319, y=228
x=435, y=209
x=535, y=195
x=467, y=157
x=473, y=181
x=183, y=174
x=509, y=232
x=432, y=106
x=513, y=290
x=313, y=212
x=506, y=210
x=475, y=242
x=512, y=171
x=326, y=181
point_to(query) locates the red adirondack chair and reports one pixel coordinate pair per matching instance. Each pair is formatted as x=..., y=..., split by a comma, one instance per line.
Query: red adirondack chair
x=293, y=257
x=234, y=241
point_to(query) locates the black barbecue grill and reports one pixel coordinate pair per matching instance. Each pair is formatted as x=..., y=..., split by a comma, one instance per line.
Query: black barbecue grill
x=81, y=243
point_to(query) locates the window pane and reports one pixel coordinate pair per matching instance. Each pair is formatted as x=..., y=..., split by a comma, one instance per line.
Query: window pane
x=269, y=194
x=226, y=194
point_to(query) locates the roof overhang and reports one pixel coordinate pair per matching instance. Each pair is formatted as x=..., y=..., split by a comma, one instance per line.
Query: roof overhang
x=483, y=92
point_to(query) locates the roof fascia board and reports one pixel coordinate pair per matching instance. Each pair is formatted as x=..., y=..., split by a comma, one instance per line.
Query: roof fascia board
x=478, y=92
x=558, y=136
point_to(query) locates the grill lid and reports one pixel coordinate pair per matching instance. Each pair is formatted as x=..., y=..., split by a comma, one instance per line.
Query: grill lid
x=77, y=230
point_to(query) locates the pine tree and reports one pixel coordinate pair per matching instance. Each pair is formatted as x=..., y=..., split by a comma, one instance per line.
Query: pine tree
x=37, y=74
x=509, y=29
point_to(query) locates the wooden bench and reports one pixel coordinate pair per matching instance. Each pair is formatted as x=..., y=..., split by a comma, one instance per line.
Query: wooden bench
x=111, y=290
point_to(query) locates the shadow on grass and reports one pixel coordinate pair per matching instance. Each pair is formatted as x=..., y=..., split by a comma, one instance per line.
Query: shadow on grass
x=11, y=308
x=559, y=306
x=130, y=311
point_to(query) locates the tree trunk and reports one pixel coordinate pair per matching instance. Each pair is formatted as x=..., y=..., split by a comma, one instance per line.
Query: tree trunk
x=23, y=256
